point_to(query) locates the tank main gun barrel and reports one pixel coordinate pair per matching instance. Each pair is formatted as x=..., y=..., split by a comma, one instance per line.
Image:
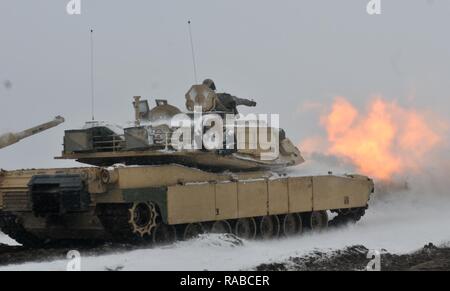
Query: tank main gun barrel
x=12, y=138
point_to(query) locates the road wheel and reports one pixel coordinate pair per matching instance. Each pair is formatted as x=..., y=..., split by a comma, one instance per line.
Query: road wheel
x=317, y=220
x=164, y=234
x=193, y=230
x=220, y=226
x=269, y=226
x=245, y=228
x=291, y=224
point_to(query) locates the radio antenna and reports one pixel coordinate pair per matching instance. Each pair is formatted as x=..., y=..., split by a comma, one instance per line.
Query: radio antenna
x=92, y=74
x=192, y=51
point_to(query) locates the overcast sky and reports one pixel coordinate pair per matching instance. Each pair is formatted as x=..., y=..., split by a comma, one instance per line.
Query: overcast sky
x=281, y=53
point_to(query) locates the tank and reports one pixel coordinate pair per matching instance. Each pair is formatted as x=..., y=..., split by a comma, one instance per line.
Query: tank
x=8, y=139
x=144, y=185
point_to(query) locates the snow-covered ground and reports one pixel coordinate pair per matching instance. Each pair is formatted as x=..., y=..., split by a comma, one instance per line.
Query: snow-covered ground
x=399, y=223
x=4, y=239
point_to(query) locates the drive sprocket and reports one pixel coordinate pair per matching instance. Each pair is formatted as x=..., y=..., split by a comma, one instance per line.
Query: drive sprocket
x=143, y=218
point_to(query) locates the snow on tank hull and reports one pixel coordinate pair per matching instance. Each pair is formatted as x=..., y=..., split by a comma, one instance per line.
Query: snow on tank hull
x=163, y=203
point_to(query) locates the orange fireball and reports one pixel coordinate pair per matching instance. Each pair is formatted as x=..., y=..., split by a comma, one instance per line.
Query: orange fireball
x=385, y=140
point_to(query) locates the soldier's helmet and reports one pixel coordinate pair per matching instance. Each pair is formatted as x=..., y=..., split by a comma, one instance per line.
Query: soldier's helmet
x=210, y=84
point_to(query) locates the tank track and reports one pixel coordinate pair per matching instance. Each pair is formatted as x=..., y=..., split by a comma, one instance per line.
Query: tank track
x=115, y=219
x=346, y=216
x=11, y=226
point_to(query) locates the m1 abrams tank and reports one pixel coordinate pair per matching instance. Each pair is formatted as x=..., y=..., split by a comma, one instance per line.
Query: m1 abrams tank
x=144, y=185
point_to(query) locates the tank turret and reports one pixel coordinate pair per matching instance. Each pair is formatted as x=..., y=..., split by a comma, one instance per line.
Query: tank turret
x=8, y=139
x=165, y=134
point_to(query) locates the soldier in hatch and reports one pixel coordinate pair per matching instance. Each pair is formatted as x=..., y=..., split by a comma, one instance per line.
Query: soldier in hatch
x=227, y=103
